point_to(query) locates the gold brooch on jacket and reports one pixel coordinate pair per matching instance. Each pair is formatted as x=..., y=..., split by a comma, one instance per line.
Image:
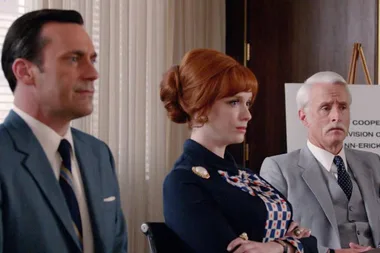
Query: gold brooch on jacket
x=200, y=171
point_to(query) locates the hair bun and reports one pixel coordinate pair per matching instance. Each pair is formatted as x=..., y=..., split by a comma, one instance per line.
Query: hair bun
x=170, y=93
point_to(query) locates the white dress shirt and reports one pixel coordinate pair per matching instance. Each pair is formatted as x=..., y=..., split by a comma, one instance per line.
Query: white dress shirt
x=326, y=158
x=50, y=141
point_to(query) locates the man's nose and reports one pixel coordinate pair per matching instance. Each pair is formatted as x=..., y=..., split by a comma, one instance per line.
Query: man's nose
x=335, y=114
x=90, y=72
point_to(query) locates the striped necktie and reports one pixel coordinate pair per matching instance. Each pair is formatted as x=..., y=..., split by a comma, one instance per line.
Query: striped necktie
x=67, y=185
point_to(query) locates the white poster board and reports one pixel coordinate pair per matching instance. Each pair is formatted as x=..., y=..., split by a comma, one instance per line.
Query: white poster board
x=364, y=131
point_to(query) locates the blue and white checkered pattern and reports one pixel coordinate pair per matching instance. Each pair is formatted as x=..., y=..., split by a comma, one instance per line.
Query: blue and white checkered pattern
x=279, y=212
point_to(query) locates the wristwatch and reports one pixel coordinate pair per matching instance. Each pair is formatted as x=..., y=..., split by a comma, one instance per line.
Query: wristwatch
x=283, y=244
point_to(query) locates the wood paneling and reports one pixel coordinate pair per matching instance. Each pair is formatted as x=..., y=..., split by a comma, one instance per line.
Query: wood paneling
x=235, y=48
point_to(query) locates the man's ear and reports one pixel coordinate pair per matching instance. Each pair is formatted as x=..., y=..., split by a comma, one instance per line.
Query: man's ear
x=23, y=71
x=302, y=116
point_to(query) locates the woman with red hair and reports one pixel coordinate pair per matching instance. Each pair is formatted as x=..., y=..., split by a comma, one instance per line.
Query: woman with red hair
x=209, y=202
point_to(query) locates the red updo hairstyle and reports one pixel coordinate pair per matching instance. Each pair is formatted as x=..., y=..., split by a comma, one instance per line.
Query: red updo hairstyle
x=204, y=76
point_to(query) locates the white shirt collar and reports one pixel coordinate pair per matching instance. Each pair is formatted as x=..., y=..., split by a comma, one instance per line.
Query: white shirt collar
x=326, y=158
x=48, y=138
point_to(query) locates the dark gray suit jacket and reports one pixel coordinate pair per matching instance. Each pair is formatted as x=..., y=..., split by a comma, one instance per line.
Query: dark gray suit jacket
x=298, y=176
x=34, y=214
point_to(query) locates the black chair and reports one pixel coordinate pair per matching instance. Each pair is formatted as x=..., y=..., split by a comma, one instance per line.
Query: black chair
x=162, y=239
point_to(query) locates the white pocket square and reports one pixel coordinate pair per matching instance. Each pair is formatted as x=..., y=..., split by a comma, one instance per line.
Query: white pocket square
x=109, y=199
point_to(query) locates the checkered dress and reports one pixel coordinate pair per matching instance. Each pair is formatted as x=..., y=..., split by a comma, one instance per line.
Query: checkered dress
x=279, y=212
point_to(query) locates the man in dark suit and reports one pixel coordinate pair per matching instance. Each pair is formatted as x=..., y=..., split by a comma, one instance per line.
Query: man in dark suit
x=58, y=186
x=334, y=190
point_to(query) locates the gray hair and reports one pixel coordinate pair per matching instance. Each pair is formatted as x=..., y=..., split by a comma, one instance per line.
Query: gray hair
x=303, y=94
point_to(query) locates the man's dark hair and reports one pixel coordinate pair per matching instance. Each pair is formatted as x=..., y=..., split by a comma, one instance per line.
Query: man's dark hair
x=23, y=39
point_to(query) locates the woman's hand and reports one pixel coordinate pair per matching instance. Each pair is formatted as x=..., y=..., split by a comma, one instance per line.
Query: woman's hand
x=245, y=246
x=296, y=231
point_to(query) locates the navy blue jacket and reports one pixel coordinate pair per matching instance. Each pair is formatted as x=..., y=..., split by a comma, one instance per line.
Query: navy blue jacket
x=208, y=214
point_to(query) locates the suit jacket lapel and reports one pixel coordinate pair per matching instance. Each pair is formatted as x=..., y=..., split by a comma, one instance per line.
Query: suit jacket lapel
x=312, y=175
x=362, y=173
x=89, y=168
x=38, y=166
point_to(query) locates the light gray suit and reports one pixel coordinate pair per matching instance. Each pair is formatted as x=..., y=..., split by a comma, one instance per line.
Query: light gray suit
x=34, y=215
x=298, y=176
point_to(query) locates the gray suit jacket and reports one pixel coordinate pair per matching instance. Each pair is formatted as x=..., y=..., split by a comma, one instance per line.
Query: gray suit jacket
x=298, y=176
x=34, y=214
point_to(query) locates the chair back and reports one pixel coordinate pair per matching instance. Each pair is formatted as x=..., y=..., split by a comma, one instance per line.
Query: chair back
x=162, y=239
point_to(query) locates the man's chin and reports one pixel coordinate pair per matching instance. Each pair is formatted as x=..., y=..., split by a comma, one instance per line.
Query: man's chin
x=83, y=112
x=337, y=133
x=336, y=140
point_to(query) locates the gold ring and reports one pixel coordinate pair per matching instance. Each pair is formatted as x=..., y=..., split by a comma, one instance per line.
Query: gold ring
x=297, y=231
x=244, y=236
